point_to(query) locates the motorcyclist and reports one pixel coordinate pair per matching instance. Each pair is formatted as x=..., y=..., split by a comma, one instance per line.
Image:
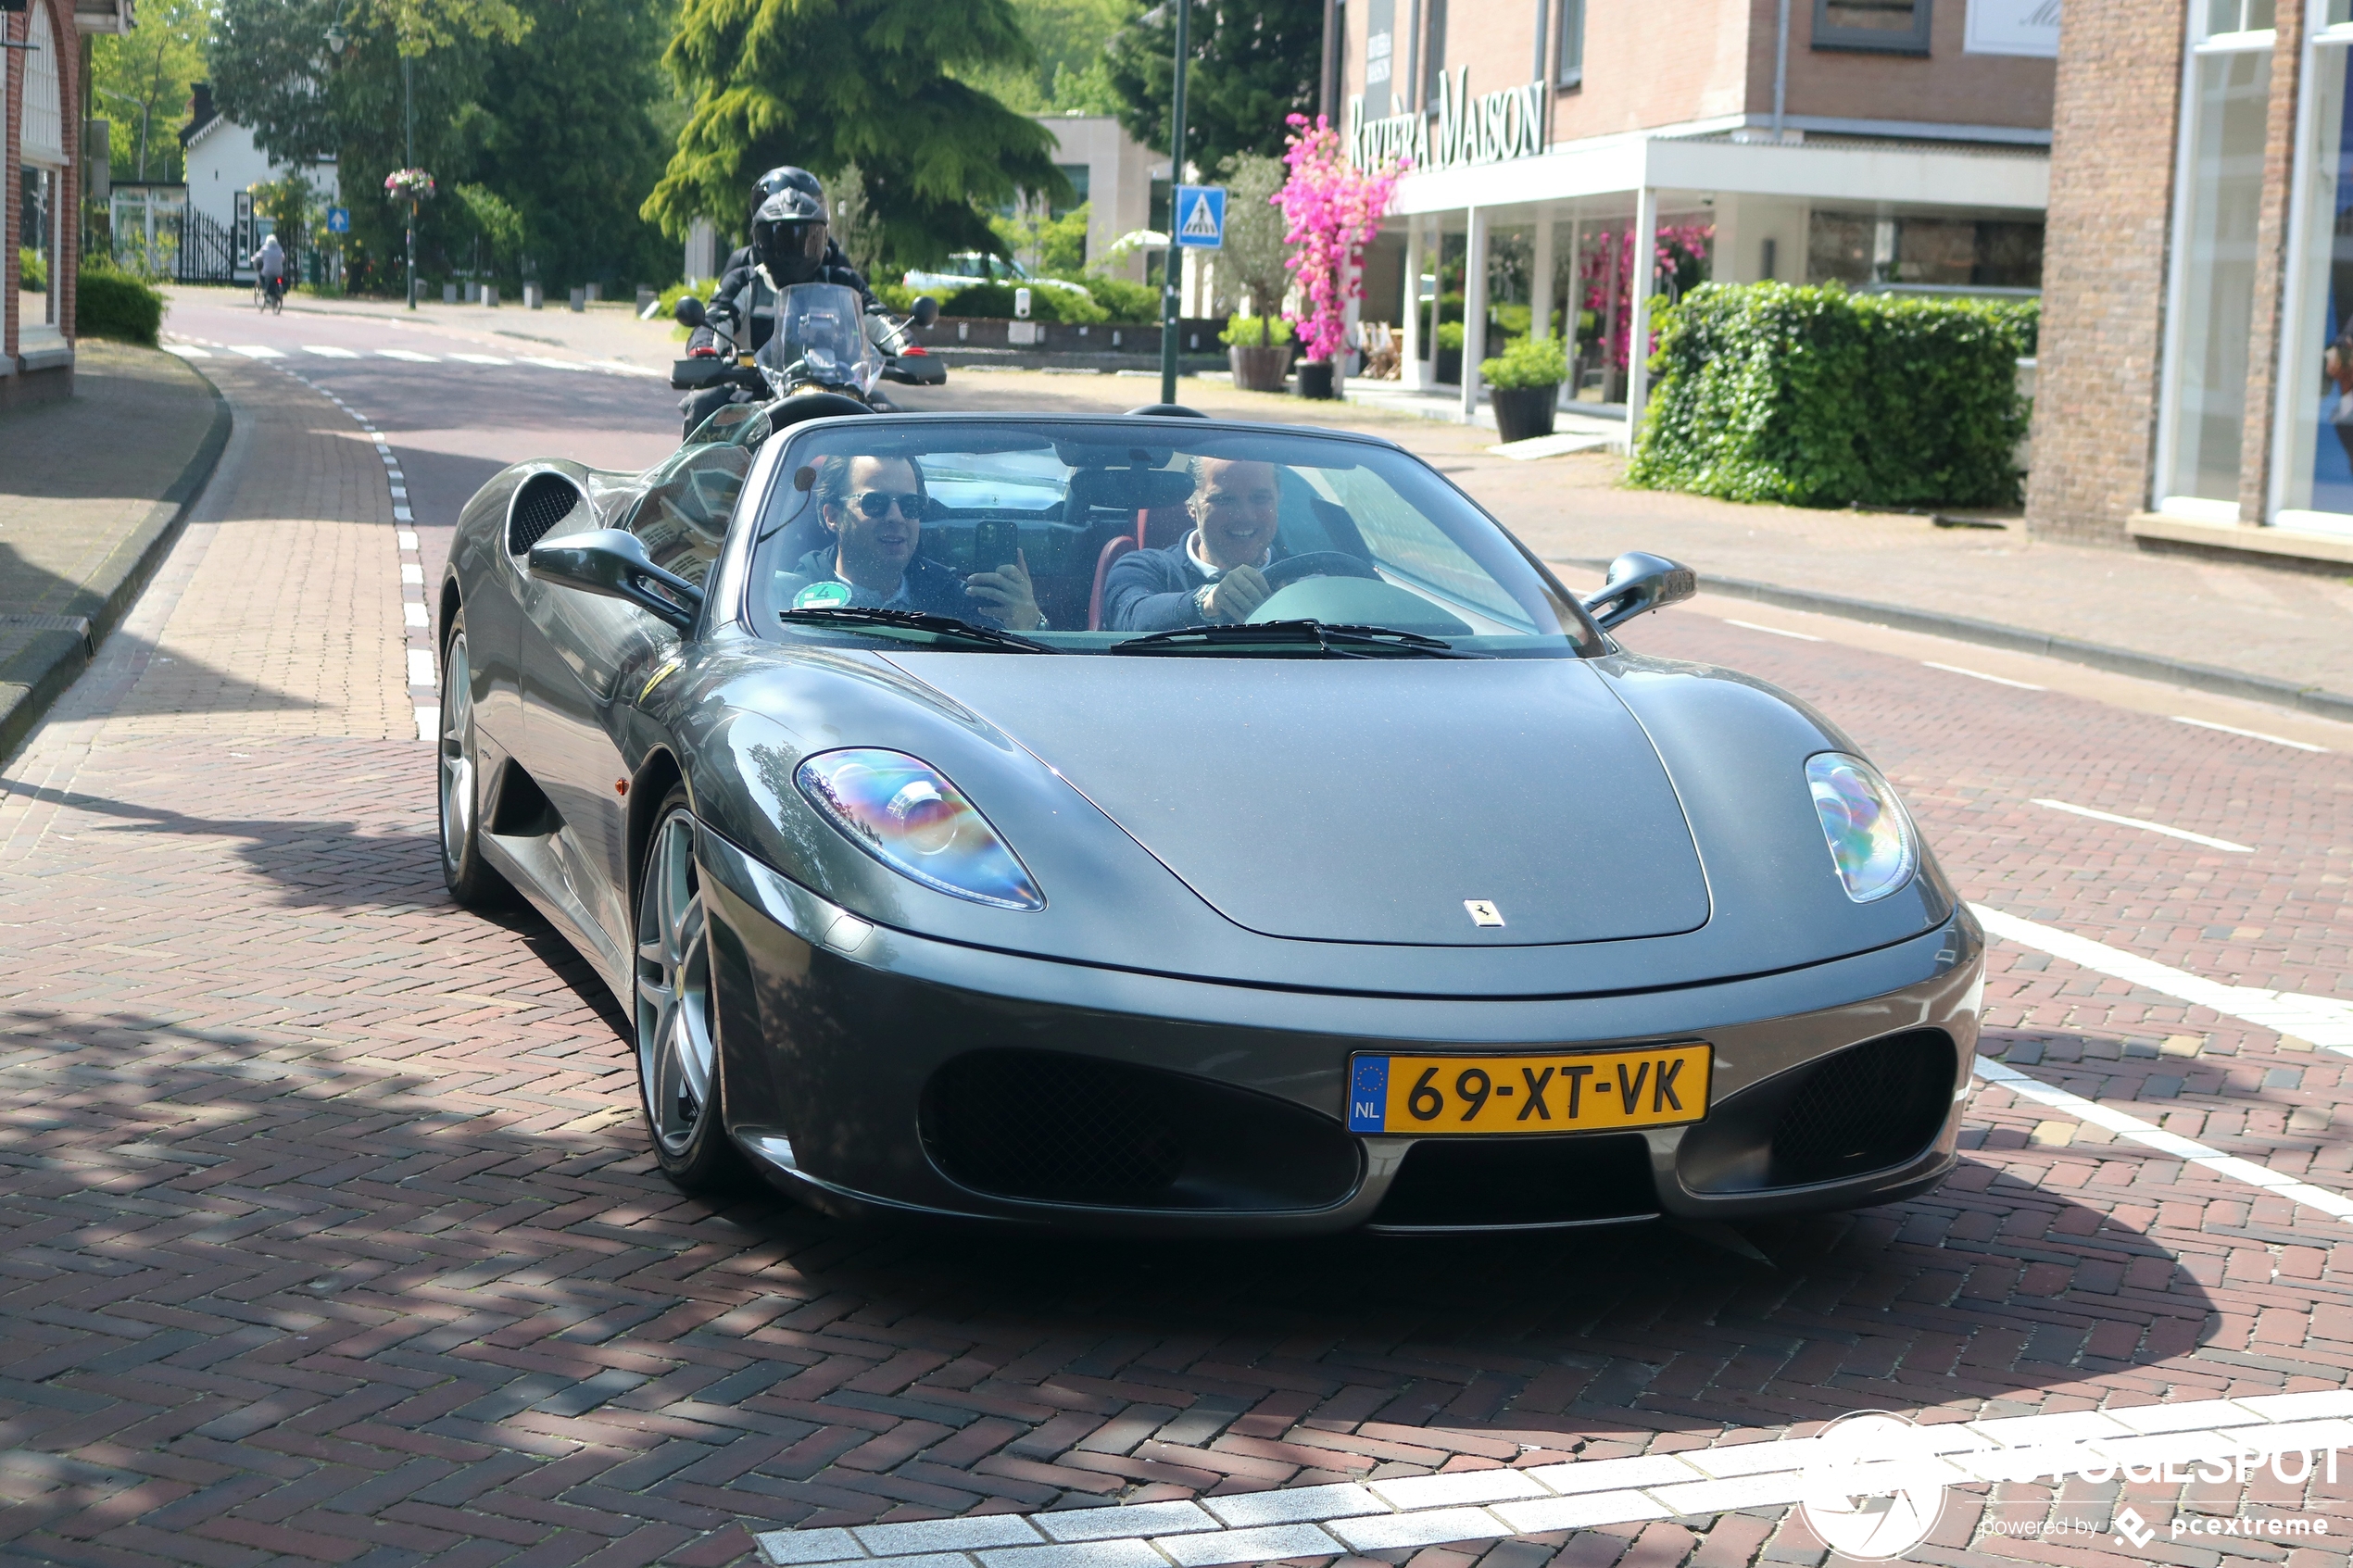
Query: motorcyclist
x=270, y=263
x=790, y=243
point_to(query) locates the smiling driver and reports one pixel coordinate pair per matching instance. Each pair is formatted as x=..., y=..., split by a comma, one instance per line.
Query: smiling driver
x=1216, y=573
x=874, y=507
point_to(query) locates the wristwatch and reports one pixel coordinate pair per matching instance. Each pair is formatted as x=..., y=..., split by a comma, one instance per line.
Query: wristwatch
x=1200, y=600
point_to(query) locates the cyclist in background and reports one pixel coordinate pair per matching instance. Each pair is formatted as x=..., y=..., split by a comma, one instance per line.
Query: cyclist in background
x=269, y=261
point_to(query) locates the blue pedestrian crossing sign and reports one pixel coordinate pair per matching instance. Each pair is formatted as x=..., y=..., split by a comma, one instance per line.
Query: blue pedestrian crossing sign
x=338, y=220
x=1200, y=217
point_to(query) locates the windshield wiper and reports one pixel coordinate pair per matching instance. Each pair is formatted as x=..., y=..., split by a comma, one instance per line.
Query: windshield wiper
x=1338, y=641
x=946, y=628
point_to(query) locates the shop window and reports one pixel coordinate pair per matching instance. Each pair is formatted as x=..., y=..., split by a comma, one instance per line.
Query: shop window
x=2229, y=89
x=1861, y=250
x=1895, y=26
x=2316, y=386
x=41, y=221
x=1570, y=71
x=1434, y=51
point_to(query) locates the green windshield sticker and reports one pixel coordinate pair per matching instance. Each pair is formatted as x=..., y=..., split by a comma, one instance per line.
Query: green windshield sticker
x=822, y=595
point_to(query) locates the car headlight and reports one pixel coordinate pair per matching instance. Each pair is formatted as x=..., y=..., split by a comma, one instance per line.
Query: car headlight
x=905, y=813
x=1870, y=838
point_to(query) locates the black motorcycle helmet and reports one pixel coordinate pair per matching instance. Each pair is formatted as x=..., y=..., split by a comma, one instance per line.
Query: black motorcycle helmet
x=788, y=233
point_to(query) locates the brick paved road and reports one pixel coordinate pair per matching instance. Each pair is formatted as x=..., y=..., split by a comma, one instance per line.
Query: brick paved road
x=332, y=1236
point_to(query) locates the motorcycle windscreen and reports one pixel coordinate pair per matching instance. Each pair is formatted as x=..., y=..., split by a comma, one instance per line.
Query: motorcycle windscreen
x=821, y=338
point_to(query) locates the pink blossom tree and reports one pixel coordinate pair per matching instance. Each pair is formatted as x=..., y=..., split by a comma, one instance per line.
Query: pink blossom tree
x=1334, y=208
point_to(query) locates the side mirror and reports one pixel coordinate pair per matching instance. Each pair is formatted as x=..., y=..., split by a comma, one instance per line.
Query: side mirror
x=1639, y=582
x=611, y=564
x=688, y=312
x=926, y=310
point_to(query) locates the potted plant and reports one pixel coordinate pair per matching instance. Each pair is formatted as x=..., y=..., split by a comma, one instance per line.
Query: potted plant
x=1334, y=210
x=1448, y=366
x=1522, y=384
x=1259, y=348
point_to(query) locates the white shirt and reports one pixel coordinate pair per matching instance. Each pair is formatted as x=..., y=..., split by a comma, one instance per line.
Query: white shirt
x=1201, y=562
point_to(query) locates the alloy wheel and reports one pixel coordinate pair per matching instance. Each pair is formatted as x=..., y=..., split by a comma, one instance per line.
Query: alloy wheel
x=457, y=752
x=675, y=1052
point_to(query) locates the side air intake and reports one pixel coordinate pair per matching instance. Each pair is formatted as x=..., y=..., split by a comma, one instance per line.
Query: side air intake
x=541, y=502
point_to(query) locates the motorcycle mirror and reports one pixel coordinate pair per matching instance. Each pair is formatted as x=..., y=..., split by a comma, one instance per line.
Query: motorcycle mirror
x=926, y=310
x=688, y=312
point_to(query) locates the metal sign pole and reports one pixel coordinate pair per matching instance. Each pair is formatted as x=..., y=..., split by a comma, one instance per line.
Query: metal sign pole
x=1175, y=251
x=408, y=128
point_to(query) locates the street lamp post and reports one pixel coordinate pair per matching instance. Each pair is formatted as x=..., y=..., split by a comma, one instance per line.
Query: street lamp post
x=408, y=131
x=1175, y=253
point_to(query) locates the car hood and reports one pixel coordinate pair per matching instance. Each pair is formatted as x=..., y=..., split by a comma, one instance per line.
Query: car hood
x=1349, y=801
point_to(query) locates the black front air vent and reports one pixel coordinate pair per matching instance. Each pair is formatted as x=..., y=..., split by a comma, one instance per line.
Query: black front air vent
x=1052, y=1128
x=1470, y=1183
x=1864, y=1109
x=543, y=501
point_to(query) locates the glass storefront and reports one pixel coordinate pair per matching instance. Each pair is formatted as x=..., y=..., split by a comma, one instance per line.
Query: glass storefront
x=2214, y=284
x=2316, y=387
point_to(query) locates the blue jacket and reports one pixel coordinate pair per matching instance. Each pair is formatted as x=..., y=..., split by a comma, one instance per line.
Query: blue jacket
x=1152, y=590
x=927, y=586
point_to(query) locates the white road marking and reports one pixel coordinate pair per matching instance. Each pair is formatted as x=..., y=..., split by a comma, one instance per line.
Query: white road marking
x=429, y=722
x=420, y=667
x=553, y=364
x=256, y=351
x=187, y=351
x=2323, y=1021
x=2148, y=826
x=1741, y=1470
x=480, y=359
x=328, y=351
x=412, y=574
x=2251, y=735
x=2157, y=1138
x=1981, y=675
x=405, y=538
x=615, y=367
x=1775, y=631
x=410, y=355
x=413, y=614
x=402, y=514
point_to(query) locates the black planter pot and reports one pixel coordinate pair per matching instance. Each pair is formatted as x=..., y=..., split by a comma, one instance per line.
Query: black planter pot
x=1449, y=368
x=1523, y=412
x=1315, y=379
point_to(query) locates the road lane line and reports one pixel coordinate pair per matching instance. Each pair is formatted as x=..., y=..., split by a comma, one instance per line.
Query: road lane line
x=2251, y=735
x=187, y=351
x=546, y=364
x=2157, y=1137
x=1981, y=675
x=1756, y=1468
x=2323, y=1021
x=256, y=351
x=328, y=351
x=1773, y=631
x=2149, y=826
x=410, y=355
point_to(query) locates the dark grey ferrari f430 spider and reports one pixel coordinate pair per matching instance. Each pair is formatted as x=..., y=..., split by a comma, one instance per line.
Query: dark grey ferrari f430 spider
x=1159, y=824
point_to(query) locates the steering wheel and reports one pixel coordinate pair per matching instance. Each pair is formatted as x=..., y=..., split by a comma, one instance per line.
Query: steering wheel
x=1317, y=563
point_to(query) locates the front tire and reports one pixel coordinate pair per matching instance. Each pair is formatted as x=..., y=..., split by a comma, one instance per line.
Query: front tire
x=678, y=1070
x=469, y=879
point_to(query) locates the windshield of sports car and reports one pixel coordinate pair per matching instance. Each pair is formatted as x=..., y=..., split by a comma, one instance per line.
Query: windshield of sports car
x=1122, y=537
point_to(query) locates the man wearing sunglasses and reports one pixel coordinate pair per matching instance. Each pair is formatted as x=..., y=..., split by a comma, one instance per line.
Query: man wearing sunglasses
x=873, y=507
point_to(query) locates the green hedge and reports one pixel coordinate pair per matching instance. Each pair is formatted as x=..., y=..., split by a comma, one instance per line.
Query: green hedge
x=111, y=303
x=1817, y=397
x=1045, y=304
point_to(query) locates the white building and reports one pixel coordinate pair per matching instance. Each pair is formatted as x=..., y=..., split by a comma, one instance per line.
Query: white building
x=223, y=167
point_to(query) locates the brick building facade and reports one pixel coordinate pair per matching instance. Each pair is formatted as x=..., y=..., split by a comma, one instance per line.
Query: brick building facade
x=1890, y=145
x=2196, y=385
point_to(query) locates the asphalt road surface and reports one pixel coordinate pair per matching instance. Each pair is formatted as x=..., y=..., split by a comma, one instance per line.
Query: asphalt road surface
x=332, y=1235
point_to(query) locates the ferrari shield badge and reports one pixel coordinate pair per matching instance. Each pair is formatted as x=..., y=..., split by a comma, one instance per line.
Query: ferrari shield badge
x=822, y=595
x=1482, y=913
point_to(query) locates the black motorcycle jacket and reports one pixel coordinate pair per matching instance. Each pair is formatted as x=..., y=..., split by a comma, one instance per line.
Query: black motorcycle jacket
x=755, y=302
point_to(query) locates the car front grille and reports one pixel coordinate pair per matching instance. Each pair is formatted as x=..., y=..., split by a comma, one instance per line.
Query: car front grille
x=1864, y=1109
x=1463, y=1184
x=1055, y=1128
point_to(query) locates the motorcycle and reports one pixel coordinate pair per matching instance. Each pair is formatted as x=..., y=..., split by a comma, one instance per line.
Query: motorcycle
x=825, y=355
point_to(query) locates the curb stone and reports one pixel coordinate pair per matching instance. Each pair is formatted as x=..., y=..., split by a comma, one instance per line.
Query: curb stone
x=2315, y=700
x=46, y=665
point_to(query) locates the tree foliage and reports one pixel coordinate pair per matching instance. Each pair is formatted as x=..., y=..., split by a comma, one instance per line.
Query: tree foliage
x=1069, y=72
x=831, y=83
x=142, y=79
x=545, y=106
x=1816, y=398
x=1252, y=67
x=1256, y=253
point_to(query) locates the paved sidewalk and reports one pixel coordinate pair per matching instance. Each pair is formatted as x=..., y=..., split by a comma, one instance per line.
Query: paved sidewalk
x=91, y=490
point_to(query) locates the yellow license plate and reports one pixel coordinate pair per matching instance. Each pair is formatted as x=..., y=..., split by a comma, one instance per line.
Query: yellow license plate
x=1589, y=1091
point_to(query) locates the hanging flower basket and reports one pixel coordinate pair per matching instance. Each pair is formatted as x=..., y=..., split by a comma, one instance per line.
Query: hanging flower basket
x=408, y=185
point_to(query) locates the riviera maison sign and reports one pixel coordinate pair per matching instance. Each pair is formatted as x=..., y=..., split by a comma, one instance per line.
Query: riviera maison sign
x=1492, y=129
